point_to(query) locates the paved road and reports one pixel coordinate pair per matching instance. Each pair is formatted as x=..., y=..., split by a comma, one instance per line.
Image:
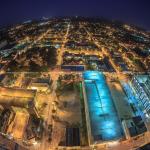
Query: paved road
x=61, y=50
x=45, y=144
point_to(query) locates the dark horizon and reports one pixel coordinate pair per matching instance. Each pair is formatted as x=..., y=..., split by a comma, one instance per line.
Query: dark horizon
x=134, y=12
x=86, y=17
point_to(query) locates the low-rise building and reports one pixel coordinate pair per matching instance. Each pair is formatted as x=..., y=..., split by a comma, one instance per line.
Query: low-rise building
x=42, y=87
x=141, y=86
x=39, y=84
x=3, y=43
x=21, y=98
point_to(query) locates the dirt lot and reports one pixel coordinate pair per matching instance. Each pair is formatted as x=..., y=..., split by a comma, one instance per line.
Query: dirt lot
x=70, y=109
x=68, y=113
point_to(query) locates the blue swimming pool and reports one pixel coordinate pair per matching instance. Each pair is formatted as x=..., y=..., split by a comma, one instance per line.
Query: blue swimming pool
x=105, y=124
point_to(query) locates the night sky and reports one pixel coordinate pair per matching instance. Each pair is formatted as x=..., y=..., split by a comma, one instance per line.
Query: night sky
x=131, y=11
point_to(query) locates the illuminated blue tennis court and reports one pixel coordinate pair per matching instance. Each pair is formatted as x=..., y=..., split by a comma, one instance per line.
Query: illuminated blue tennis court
x=105, y=124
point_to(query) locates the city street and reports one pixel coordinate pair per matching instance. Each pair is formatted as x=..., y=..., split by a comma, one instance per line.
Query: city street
x=61, y=50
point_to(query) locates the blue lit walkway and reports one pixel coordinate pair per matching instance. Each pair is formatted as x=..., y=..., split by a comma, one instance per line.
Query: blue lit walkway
x=105, y=124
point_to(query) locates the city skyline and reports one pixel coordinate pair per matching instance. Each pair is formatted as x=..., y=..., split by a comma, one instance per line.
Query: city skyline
x=75, y=75
x=133, y=12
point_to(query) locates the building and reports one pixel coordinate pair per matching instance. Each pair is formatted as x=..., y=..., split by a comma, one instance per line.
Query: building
x=134, y=127
x=41, y=85
x=3, y=44
x=141, y=86
x=77, y=68
x=17, y=106
x=8, y=144
x=18, y=125
x=20, y=98
x=102, y=120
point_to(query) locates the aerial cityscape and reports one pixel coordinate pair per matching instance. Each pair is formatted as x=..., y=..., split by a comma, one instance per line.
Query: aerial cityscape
x=73, y=83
